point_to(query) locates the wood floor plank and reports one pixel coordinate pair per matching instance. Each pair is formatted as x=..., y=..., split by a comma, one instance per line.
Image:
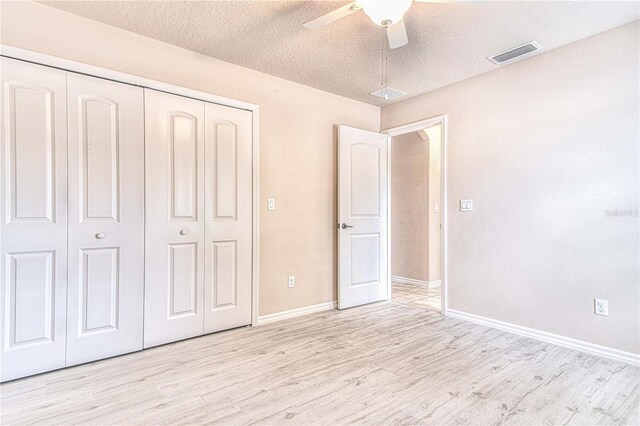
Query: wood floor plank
x=397, y=362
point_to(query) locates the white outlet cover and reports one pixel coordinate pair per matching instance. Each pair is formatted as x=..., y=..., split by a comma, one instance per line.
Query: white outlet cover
x=271, y=204
x=292, y=281
x=601, y=307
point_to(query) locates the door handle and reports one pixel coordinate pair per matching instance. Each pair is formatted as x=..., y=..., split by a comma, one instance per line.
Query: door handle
x=345, y=226
x=183, y=232
x=99, y=236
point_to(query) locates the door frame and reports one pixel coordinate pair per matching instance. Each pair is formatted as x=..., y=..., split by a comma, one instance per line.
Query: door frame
x=107, y=74
x=403, y=130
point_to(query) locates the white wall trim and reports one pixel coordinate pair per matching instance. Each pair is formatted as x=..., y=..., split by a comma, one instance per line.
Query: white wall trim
x=556, y=339
x=414, y=126
x=292, y=313
x=444, y=245
x=389, y=211
x=405, y=280
x=255, y=264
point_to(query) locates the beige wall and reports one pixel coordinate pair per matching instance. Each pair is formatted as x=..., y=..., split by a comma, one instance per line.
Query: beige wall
x=297, y=144
x=410, y=207
x=415, y=191
x=545, y=147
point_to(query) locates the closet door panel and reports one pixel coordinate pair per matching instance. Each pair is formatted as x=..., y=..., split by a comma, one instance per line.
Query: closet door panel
x=228, y=211
x=106, y=218
x=33, y=224
x=174, y=260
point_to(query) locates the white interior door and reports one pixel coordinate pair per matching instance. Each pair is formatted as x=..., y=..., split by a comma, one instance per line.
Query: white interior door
x=228, y=210
x=362, y=212
x=106, y=218
x=33, y=225
x=174, y=236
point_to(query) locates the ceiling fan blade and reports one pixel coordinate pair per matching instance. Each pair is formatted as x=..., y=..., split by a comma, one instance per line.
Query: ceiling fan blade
x=397, y=35
x=331, y=17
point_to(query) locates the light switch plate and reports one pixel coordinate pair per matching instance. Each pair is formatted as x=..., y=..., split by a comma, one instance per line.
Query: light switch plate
x=466, y=205
x=271, y=204
x=601, y=307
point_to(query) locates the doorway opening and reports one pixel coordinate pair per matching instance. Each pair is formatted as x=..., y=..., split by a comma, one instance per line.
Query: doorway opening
x=416, y=237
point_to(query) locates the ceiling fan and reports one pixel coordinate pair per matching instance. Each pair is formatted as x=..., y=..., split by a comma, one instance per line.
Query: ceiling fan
x=386, y=13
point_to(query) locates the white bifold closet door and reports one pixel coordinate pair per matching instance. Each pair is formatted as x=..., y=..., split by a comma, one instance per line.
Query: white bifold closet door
x=228, y=217
x=106, y=218
x=33, y=228
x=198, y=217
x=87, y=270
x=174, y=256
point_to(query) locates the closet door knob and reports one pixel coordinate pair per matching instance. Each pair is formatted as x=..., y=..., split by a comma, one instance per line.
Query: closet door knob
x=99, y=236
x=183, y=232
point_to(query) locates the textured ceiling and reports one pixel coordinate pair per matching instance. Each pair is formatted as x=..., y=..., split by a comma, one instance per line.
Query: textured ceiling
x=448, y=42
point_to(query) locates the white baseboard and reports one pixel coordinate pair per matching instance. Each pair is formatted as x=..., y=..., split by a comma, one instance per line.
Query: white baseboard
x=567, y=342
x=292, y=313
x=405, y=280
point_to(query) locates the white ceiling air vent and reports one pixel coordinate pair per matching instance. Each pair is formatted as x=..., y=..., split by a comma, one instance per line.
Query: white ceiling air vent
x=387, y=93
x=515, y=54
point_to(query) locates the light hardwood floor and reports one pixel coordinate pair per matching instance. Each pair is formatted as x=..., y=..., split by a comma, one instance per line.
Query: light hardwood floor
x=421, y=296
x=386, y=363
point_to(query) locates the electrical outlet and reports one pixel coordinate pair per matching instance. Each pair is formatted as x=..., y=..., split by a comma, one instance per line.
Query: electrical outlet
x=601, y=307
x=271, y=204
x=292, y=281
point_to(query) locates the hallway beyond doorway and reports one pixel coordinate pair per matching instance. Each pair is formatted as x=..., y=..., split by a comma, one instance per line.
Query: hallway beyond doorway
x=417, y=295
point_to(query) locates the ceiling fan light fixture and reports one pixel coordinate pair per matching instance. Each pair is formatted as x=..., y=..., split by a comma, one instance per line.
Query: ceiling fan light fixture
x=385, y=12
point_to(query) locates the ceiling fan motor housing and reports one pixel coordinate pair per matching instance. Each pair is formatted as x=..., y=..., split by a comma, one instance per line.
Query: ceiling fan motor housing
x=385, y=12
